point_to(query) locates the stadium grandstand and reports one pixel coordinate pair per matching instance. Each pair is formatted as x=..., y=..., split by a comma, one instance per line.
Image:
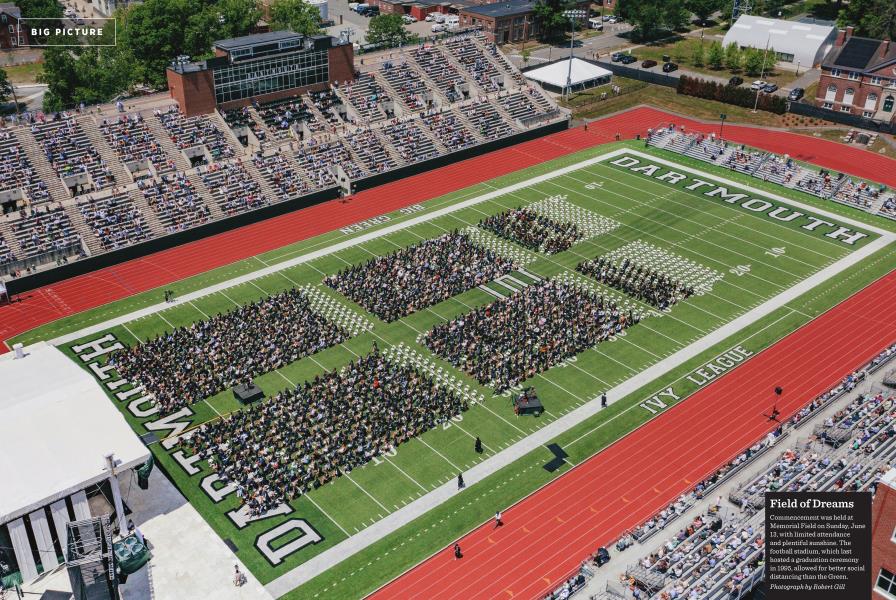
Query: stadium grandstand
x=398, y=328
x=78, y=185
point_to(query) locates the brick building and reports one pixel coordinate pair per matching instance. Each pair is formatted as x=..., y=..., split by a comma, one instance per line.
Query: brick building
x=507, y=21
x=858, y=76
x=262, y=67
x=883, y=538
x=10, y=37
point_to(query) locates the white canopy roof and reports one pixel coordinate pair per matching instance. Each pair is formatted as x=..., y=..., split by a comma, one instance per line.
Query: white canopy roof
x=555, y=74
x=56, y=427
x=808, y=43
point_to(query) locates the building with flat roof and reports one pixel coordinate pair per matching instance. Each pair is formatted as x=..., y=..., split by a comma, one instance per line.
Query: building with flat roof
x=794, y=42
x=858, y=77
x=263, y=67
x=507, y=21
x=57, y=426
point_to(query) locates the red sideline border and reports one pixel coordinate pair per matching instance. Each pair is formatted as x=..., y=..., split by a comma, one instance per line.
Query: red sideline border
x=71, y=296
x=589, y=506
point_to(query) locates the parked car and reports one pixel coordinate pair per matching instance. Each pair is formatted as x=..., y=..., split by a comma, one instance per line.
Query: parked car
x=617, y=56
x=430, y=18
x=629, y=59
x=605, y=18
x=795, y=94
x=612, y=20
x=408, y=19
x=669, y=67
x=758, y=84
x=735, y=81
x=438, y=27
x=647, y=64
x=770, y=88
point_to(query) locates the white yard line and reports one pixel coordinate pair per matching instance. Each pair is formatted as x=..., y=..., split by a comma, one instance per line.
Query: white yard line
x=202, y=312
x=424, y=218
x=327, y=515
x=343, y=550
x=405, y=473
x=357, y=485
x=445, y=458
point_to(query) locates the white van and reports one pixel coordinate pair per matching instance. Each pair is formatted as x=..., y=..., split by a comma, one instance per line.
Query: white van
x=452, y=21
x=595, y=23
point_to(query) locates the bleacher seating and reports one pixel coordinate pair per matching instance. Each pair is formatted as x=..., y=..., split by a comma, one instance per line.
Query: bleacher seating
x=326, y=102
x=45, y=230
x=476, y=63
x=319, y=160
x=233, y=188
x=16, y=170
x=490, y=124
x=280, y=115
x=176, y=203
x=411, y=143
x=304, y=142
x=857, y=193
x=407, y=81
x=6, y=255
x=367, y=146
x=450, y=129
x=69, y=151
x=188, y=132
x=241, y=117
x=443, y=73
x=282, y=175
x=367, y=97
x=115, y=220
x=888, y=208
x=132, y=140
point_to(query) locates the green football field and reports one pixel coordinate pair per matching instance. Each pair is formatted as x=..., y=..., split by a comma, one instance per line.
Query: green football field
x=742, y=257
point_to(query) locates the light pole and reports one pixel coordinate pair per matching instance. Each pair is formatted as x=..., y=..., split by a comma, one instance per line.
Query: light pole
x=572, y=15
x=761, y=73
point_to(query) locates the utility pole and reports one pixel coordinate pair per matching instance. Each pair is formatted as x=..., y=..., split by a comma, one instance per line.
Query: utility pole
x=572, y=15
x=762, y=73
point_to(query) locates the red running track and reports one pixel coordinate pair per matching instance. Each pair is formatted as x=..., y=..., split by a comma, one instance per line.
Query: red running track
x=547, y=535
x=77, y=294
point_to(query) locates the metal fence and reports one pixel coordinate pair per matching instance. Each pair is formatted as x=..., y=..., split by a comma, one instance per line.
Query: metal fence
x=810, y=110
x=640, y=74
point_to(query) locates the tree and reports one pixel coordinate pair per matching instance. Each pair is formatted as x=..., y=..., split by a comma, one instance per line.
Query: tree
x=703, y=9
x=235, y=17
x=549, y=14
x=5, y=86
x=753, y=61
x=388, y=30
x=297, y=15
x=650, y=17
x=525, y=54
x=733, y=57
x=698, y=55
x=871, y=18
x=715, y=56
x=40, y=9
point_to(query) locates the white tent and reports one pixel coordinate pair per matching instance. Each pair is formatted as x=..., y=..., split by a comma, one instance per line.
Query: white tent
x=584, y=74
x=794, y=42
x=56, y=427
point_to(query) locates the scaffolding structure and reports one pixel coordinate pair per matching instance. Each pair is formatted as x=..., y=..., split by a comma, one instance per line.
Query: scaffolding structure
x=90, y=559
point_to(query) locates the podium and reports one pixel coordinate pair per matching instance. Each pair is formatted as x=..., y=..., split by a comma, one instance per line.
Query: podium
x=528, y=403
x=247, y=393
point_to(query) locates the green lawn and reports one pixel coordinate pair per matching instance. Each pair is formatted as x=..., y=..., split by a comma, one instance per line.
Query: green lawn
x=687, y=224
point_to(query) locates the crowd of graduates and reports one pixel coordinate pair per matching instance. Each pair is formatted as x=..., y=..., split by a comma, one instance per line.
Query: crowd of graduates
x=532, y=230
x=419, y=276
x=512, y=339
x=195, y=362
x=302, y=438
x=638, y=281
